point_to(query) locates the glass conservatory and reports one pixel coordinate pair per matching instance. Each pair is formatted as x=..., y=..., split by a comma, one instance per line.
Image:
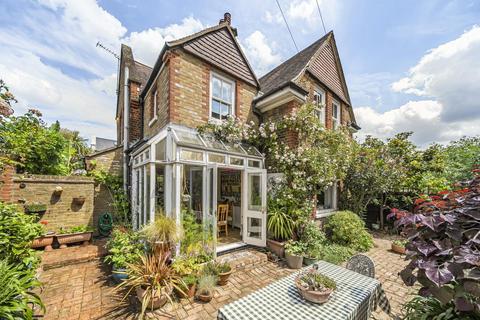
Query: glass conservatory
x=223, y=185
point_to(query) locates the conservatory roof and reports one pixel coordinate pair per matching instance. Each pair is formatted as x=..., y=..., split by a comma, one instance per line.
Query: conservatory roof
x=209, y=142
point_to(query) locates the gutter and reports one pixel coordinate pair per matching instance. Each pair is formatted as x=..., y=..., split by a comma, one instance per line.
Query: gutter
x=126, y=119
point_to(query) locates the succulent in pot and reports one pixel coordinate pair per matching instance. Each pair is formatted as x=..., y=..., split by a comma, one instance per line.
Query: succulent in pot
x=205, y=287
x=153, y=280
x=314, y=286
x=294, y=251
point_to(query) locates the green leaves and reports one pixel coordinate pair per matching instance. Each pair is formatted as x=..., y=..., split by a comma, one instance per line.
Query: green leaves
x=17, y=231
x=16, y=296
x=346, y=228
x=280, y=224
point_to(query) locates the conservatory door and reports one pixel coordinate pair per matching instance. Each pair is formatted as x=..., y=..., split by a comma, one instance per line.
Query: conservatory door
x=210, y=204
x=254, y=203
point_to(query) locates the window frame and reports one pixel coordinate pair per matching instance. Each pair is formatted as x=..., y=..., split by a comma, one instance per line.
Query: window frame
x=223, y=79
x=322, y=114
x=336, y=120
x=154, y=107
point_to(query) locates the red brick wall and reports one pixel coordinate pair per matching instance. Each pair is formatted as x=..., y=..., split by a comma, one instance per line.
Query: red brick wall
x=6, y=183
x=135, y=117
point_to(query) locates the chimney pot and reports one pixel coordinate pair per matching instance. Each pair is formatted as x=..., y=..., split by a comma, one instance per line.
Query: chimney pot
x=227, y=17
x=221, y=21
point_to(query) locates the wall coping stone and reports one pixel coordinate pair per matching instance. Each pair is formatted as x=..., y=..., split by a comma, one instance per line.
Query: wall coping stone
x=37, y=178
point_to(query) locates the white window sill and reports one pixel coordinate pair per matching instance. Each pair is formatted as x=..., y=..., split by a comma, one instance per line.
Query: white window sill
x=152, y=121
x=323, y=213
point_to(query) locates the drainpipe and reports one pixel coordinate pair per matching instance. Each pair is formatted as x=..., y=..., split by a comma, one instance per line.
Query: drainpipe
x=126, y=114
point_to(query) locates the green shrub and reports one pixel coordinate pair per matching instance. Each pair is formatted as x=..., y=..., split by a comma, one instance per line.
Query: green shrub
x=17, y=296
x=123, y=247
x=333, y=253
x=312, y=236
x=347, y=229
x=77, y=229
x=17, y=231
x=295, y=248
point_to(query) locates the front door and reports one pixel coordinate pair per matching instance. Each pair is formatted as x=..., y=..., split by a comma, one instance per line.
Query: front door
x=254, y=206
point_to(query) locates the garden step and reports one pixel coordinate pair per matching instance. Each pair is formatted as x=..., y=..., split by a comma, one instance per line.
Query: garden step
x=73, y=255
x=244, y=259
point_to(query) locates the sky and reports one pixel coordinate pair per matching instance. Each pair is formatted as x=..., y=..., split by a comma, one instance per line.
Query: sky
x=410, y=65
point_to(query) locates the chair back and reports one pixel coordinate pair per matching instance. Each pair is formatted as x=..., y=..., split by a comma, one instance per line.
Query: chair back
x=222, y=212
x=362, y=264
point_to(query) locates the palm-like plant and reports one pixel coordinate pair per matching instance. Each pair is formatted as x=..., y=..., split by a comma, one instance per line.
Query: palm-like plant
x=280, y=224
x=16, y=296
x=153, y=275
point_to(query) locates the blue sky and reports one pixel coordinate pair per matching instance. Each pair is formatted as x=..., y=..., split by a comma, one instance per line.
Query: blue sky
x=409, y=65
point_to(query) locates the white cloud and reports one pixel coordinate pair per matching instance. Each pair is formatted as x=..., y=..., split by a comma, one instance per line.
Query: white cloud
x=260, y=53
x=449, y=74
x=148, y=43
x=421, y=117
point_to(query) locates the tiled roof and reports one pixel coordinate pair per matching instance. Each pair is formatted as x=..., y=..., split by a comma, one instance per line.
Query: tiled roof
x=290, y=69
x=141, y=73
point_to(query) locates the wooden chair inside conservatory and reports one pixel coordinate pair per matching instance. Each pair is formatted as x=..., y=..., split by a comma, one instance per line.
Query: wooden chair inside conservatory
x=222, y=216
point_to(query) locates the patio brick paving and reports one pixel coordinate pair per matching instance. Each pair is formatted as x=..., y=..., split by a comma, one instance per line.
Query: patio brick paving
x=85, y=290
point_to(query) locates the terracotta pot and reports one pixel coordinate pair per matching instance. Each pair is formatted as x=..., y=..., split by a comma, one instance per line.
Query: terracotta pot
x=309, y=261
x=190, y=293
x=276, y=247
x=313, y=296
x=43, y=241
x=398, y=249
x=223, y=277
x=205, y=297
x=159, y=299
x=64, y=239
x=294, y=262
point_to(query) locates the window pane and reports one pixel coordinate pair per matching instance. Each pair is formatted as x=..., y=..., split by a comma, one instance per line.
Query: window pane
x=216, y=158
x=254, y=163
x=216, y=109
x=159, y=188
x=227, y=91
x=251, y=150
x=211, y=142
x=335, y=110
x=217, y=88
x=236, y=161
x=234, y=147
x=225, y=111
x=187, y=137
x=160, y=150
x=254, y=227
x=191, y=155
x=254, y=192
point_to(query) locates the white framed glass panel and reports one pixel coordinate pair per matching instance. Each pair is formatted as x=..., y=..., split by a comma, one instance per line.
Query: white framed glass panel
x=213, y=143
x=216, y=158
x=254, y=227
x=319, y=102
x=188, y=137
x=251, y=150
x=254, y=163
x=160, y=188
x=254, y=192
x=335, y=114
x=160, y=150
x=191, y=155
x=235, y=147
x=325, y=199
x=236, y=161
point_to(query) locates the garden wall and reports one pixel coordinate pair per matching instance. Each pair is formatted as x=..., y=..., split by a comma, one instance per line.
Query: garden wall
x=62, y=210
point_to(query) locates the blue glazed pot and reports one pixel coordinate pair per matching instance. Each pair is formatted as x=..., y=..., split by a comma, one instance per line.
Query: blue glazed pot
x=117, y=276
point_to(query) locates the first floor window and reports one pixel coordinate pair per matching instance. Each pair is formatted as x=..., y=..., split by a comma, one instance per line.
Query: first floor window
x=154, y=106
x=319, y=102
x=336, y=114
x=222, y=101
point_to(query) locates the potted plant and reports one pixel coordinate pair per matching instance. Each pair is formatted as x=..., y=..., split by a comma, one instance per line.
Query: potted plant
x=162, y=233
x=79, y=201
x=314, y=239
x=73, y=235
x=187, y=267
x=205, y=287
x=294, y=251
x=38, y=208
x=153, y=280
x=398, y=246
x=314, y=286
x=190, y=286
x=123, y=247
x=45, y=241
x=280, y=228
x=224, y=272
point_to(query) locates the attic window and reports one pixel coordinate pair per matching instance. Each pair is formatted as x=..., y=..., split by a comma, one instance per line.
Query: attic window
x=335, y=114
x=222, y=97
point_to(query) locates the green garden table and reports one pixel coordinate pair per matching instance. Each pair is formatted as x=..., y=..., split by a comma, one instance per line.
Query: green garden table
x=356, y=297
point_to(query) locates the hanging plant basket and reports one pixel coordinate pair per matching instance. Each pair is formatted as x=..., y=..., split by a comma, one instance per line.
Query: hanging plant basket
x=39, y=208
x=79, y=200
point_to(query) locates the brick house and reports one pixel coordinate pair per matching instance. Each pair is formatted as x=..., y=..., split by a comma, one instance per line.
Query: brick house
x=206, y=77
